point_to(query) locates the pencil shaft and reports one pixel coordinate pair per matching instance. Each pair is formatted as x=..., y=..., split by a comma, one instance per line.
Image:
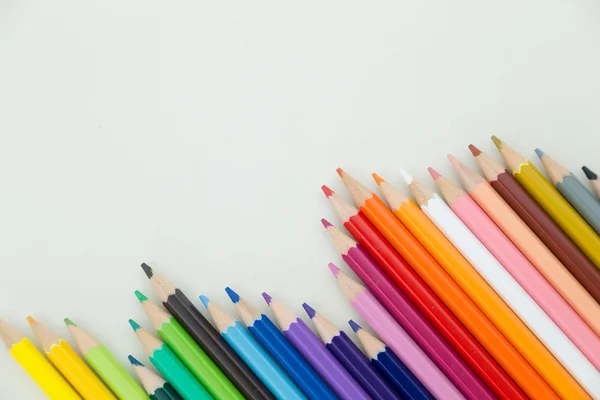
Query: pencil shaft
x=581, y=199
x=400, y=376
x=167, y=392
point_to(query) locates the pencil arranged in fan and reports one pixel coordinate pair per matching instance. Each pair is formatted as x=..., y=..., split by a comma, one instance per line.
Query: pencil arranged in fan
x=480, y=293
x=593, y=178
x=433, y=277
x=404, y=311
x=497, y=310
x=505, y=257
x=399, y=341
x=350, y=356
x=182, y=344
x=551, y=201
x=573, y=190
x=105, y=365
x=156, y=387
x=167, y=363
x=270, y=337
x=69, y=364
x=36, y=365
x=309, y=345
x=384, y=359
x=251, y=352
x=542, y=224
x=536, y=252
x=207, y=337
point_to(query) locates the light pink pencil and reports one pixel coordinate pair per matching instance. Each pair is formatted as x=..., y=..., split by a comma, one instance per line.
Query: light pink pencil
x=395, y=337
x=521, y=269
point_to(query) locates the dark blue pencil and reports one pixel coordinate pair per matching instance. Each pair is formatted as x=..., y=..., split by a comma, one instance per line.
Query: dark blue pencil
x=271, y=338
x=390, y=365
x=350, y=356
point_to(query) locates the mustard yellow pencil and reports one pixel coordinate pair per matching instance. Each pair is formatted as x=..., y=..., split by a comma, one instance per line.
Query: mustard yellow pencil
x=36, y=365
x=64, y=358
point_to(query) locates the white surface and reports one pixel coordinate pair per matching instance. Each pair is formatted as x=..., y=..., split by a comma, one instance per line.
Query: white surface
x=195, y=135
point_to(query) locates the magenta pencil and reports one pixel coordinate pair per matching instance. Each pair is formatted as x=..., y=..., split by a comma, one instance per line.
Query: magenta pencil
x=396, y=338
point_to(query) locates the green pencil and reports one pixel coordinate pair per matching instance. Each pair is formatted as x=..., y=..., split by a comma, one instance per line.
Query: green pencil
x=156, y=386
x=182, y=344
x=167, y=363
x=106, y=365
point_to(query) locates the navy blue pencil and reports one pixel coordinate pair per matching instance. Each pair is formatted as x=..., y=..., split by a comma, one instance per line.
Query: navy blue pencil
x=271, y=338
x=350, y=356
x=390, y=365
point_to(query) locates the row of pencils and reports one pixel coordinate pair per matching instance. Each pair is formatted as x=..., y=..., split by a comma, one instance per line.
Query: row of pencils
x=487, y=291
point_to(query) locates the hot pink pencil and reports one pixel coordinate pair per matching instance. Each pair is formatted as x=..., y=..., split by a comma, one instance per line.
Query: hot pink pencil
x=521, y=269
x=396, y=338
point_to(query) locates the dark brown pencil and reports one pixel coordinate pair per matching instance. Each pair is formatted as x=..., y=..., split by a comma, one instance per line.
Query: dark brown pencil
x=541, y=223
x=207, y=337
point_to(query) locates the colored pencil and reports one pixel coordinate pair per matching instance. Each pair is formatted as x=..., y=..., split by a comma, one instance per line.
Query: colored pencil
x=573, y=190
x=541, y=223
x=182, y=344
x=266, y=333
x=403, y=311
x=433, y=275
x=106, y=365
x=69, y=364
x=497, y=310
x=551, y=200
x=207, y=337
x=593, y=178
x=399, y=341
x=315, y=352
x=156, y=387
x=531, y=246
x=167, y=363
x=384, y=359
x=251, y=352
x=350, y=356
x=504, y=257
x=476, y=288
x=36, y=365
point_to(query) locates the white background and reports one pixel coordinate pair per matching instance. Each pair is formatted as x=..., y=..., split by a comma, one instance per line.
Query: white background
x=195, y=135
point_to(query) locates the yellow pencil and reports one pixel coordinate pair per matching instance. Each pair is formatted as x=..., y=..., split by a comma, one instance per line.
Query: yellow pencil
x=64, y=358
x=36, y=365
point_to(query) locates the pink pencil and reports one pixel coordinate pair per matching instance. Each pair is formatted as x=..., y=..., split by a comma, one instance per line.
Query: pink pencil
x=396, y=338
x=521, y=269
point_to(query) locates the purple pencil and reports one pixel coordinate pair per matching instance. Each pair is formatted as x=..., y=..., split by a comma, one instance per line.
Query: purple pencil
x=309, y=345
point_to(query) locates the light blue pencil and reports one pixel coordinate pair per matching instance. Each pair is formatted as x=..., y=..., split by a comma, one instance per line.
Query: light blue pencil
x=253, y=355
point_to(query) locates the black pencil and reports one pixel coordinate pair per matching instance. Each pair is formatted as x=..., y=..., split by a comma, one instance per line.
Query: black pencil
x=207, y=337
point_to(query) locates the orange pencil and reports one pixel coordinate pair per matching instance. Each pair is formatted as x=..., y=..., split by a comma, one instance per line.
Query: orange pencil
x=480, y=292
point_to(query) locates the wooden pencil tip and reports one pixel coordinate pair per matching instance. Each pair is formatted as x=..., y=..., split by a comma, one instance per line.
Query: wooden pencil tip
x=68, y=322
x=267, y=298
x=147, y=270
x=434, y=174
x=406, y=176
x=328, y=192
x=30, y=320
x=378, y=180
x=355, y=327
x=205, y=300
x=474, y=150
x=539, y=153
x=589, y=173
x=134, y=361
x=453, y=160
x=140, y=296
x=235, y=298
x=340, y=172
x=334, y=269
x=326, y=223
x=134, y=325
x=497, y=142
x=309, y=310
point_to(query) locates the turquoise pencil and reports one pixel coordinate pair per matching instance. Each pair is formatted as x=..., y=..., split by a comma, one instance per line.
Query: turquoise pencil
x=167, y=363
x=253, y=355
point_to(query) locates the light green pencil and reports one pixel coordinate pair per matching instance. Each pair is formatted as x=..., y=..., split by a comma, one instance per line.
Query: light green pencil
x=106, y=365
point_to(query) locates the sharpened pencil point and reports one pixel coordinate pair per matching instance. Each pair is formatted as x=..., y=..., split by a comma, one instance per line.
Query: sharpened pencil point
x=134, y=361
x=340, y=172
x=453, y=160
x=140, y=296
x=328, y=192
x=497, y=142
x=591, y=175
x=30, y=320
x=434, y=174
x=232, y=295
x=334, y=269
x=205, y=300
x=378, y=180
x=474, y=150
x=406, y=176
x=134, y=325
x=267, y=298
x=309, y=310
x=326, y=223
x=68, y=322
x=539, y=153
x=147, y=270
x=355, y=327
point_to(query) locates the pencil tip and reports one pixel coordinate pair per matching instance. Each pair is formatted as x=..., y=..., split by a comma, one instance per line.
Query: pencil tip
x=406, y=176
x=147, y=270
x=140, y=296
x=134, y=325
x=232, y=295
x=334, y=269
x=434, y=174
x=326, y=223
x=539, y=153
x=68, y=322
x=453, y=160
x=309, y=310
x=497, y=142
x=328, y=192
x=378, y=180
x=355, y=327
x=30, y=320
x=340, y=172
x=205, y=300
x=134, y=361
x=267, y=298
x=474, y=150
x=589, y=173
